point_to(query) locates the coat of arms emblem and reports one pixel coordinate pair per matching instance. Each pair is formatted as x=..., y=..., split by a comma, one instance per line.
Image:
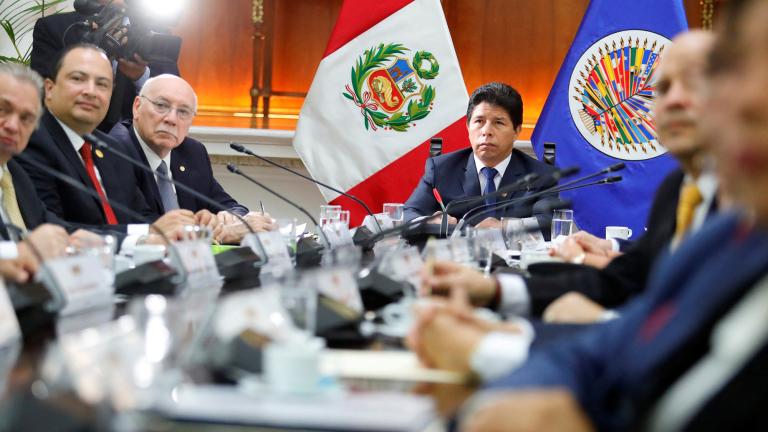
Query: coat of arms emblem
x=612, y=92
x=390, y=90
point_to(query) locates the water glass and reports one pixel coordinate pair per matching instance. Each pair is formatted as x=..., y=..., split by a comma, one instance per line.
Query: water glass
x=514, y=231
x=562, y=223
x=395, y=212
x=329, y=214
x=344, y=218
x=300, y=301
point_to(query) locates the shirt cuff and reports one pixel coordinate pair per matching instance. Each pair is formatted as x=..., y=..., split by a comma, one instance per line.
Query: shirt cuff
x=609, y=315
x=615, y=246
x=135, y=232
x=515, y=300
x=8, y=250
x=501, y=352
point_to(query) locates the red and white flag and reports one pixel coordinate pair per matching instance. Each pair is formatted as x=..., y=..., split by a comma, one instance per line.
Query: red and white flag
x=389, y=81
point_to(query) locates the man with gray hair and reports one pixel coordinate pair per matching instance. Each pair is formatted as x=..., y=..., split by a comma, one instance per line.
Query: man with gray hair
x=162, y=115
x=20, y=207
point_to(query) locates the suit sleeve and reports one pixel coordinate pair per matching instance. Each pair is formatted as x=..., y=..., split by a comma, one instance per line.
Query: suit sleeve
x=577, y=364
x=422, y=202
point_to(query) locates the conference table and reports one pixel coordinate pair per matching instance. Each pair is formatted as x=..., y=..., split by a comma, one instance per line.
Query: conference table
x=376, y=379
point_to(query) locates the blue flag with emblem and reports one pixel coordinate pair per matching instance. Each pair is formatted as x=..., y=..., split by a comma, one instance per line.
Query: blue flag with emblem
x=598, y=112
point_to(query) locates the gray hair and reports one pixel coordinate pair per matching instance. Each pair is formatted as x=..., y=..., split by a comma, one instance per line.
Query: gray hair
x=24, y=74
x=148, y=84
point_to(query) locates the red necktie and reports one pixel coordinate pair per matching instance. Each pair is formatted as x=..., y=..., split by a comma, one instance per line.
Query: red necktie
x=85, y=152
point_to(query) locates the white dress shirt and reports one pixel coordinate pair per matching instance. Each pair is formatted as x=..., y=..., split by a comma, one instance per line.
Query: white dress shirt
x=155, y=160
x=501, y=168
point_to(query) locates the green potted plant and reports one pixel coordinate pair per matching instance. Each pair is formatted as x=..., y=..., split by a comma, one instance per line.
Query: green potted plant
x=17, y=18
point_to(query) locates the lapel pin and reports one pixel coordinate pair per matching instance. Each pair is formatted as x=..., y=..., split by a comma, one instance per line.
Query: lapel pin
x=182, y=168
x=99, y=154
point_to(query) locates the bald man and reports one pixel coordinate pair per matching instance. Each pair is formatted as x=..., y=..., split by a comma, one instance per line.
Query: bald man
x=162, y=115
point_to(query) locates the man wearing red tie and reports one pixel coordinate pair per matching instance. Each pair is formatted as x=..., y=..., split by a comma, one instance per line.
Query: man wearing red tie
x=76, y=101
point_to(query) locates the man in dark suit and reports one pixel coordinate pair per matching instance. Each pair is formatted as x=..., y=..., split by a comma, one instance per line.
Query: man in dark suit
x=162, y=115
x=20, y=109
x=580, y=294
x=677, y=112
x=76, y=100
x=689, y=355
x=55, y=32
x=494, y=121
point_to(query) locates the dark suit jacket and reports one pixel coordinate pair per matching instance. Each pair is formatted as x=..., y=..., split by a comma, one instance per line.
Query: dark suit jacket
x=48, y=41
x=197, y=174
x=627, y=274
x=32, y=209
x=49, y=145
x=455, y=177
x=618, y=371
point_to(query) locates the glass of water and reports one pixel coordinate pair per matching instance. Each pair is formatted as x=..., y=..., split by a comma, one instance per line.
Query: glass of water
x=395, y=212
x=329, y=214
x=562, y=223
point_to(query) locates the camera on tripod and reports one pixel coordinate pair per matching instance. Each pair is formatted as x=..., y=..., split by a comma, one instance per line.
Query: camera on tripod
x=107, y=27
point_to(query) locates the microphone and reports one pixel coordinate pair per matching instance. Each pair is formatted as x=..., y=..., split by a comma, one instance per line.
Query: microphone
x=100, y=143
x=234, y=169
x=485, y=208
x=181, y=276
x=261, y=258
x=564, y=188
x=241, y=148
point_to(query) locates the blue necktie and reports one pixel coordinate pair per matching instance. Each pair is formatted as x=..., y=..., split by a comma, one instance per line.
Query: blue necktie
x=167, y=195
x=490, y=186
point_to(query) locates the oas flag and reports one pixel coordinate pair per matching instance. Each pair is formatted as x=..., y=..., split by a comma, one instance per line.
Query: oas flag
x=388, y=82
x=599, y=110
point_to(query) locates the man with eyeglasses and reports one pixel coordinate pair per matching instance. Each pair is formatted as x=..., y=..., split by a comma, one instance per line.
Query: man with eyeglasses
x=76, y=101
x=162, y=115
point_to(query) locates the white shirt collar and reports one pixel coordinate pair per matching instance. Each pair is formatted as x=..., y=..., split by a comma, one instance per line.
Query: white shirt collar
x=152, y=157
x=501, y=167
x=74, y=138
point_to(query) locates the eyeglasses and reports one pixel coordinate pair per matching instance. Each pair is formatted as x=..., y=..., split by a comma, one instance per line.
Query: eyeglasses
x=165, y=108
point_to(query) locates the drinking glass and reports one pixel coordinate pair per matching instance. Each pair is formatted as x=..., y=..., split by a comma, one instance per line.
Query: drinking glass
x=513, y=230
x=329, y=214
x=562, y=223
x=395, y=212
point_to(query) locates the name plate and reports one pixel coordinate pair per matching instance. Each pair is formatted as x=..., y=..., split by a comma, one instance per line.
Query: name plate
x=197, y=258
x=80, y=283
x=338, y=284
x=10, y=331
x=260, y=311
x=338, y=234
x=384, y=221
x=272, y=245
x=402, y=265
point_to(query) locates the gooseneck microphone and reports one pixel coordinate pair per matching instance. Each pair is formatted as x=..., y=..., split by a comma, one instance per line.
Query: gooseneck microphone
x=175, y=256
x=235, y=170
x=486, y=208
x=563, y=188
x=241, y=148
x=101, y=144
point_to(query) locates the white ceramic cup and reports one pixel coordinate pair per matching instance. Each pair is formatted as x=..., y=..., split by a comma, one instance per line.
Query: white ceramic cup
x=293, y=367
x=618, y=232
x=147, y=253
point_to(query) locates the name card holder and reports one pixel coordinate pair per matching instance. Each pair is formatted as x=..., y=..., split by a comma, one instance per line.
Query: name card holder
x=10, y=331
x=272, y=245
x=78, y=283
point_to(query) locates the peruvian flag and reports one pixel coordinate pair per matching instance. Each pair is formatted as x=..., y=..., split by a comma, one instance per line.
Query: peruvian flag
x=389, y=81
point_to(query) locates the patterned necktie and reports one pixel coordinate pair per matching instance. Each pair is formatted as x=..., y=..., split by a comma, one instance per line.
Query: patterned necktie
x=85, y=153
x=10, y=204
x=490, y=185
x=690, y=198
x=167, y=195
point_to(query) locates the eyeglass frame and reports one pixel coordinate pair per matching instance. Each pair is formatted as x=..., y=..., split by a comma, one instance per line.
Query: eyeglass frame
x=179, y=110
